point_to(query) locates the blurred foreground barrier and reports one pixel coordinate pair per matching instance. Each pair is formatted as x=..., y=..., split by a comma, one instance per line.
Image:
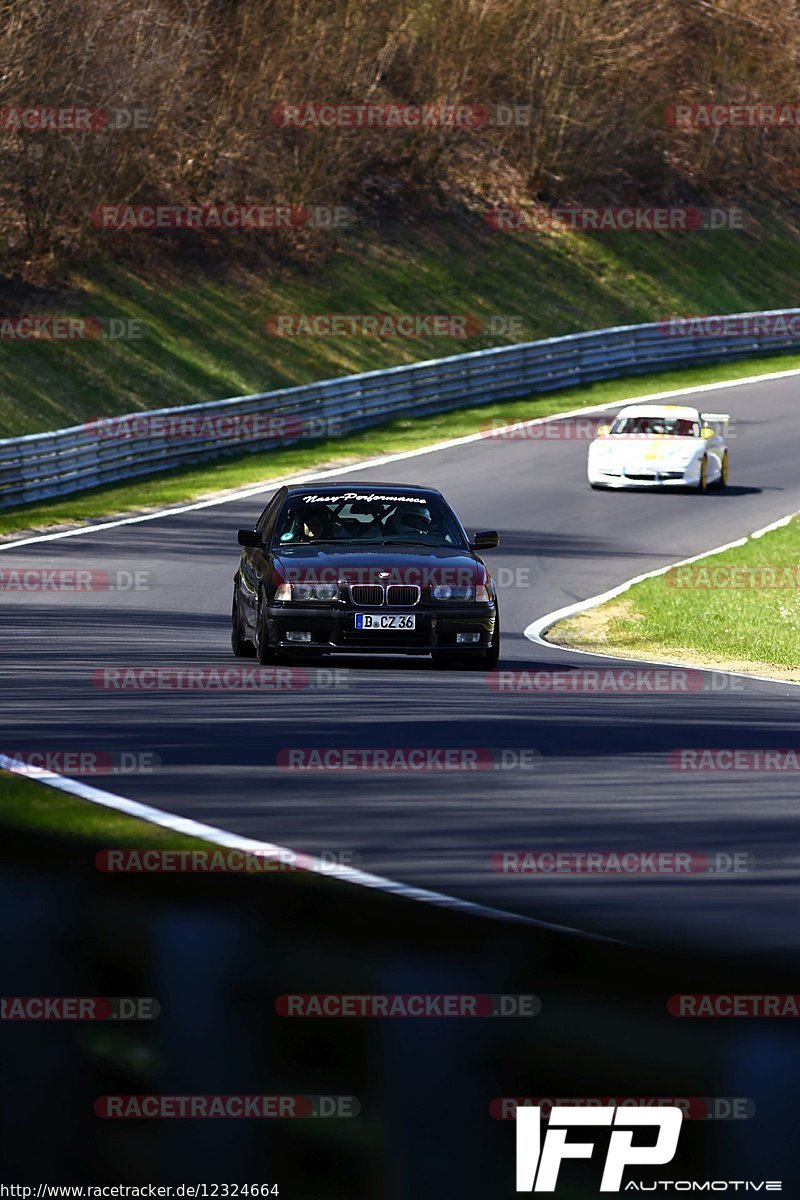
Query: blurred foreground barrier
x=233, y=963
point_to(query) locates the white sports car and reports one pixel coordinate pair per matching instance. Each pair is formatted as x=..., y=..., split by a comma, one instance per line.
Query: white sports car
x=660, y=445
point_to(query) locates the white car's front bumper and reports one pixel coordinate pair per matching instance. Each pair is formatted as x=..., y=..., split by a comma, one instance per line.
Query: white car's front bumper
x=612, y=475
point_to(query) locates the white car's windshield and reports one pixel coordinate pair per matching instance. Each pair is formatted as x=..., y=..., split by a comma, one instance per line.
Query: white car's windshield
x=648, y=426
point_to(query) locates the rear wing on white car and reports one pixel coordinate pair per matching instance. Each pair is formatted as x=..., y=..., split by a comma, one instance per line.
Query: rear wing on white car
x=715, y=418
x=717, y=421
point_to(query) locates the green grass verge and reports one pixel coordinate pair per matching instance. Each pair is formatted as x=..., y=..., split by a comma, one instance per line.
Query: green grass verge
x=29, y=805
x=740, y=608
x=190, y=483
x=203, y=335
x=33, y=807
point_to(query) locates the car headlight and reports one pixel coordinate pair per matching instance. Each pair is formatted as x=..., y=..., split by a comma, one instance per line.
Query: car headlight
x=326, y=591
x=444, y=591
x=302, y=592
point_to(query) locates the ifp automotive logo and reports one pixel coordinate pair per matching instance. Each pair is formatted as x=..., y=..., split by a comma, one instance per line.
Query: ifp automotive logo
x=538, y=1161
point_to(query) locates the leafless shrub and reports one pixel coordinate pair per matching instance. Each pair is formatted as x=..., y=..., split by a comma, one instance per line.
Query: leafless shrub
x=596, y=74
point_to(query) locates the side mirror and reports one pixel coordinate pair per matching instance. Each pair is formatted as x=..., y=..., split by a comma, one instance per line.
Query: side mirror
x=602, y=430
x=486, y=539
x=249, y=537
x=706, y=432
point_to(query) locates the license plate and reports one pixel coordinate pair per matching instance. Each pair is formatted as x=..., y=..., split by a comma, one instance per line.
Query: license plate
x=403, y=622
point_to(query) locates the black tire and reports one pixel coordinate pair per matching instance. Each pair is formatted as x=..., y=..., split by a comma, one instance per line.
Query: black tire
x=490, y=658
x=702, y=483
x=493, y=653
x=240, y=645
x=264, y=652
x=723, y=479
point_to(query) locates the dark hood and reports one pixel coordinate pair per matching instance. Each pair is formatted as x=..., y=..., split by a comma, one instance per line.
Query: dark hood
x=405, y=564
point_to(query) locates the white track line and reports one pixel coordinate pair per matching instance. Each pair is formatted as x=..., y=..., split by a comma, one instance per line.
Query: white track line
x=232, y=841
x=537, y=630
x=271, y=485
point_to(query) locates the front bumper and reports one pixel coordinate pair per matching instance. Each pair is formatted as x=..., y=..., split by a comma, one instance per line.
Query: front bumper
x=641, y=478
x=333, y=630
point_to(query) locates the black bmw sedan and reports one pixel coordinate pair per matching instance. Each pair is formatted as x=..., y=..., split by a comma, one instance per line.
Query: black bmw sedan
x=370, y=568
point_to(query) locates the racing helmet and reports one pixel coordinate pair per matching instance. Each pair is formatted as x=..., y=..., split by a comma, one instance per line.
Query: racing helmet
x=409, y=521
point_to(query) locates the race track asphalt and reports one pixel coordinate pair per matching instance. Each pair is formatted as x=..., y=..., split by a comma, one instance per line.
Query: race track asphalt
x=601, y=779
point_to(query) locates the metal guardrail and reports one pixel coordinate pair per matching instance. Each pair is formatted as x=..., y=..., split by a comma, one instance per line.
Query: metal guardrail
x=43, y=465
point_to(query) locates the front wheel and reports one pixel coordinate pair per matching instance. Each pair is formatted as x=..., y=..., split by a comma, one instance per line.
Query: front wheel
x=490, y=658
x=702, y=482
x=264, y=652
x=241, y=647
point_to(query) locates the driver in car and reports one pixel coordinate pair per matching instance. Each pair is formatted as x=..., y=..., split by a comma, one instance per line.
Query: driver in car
x=313, y=523
x=409, y=523
x=320, y=525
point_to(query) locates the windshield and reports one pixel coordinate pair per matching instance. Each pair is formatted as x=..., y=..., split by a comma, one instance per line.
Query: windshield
x=656, y=425
x=371, y=519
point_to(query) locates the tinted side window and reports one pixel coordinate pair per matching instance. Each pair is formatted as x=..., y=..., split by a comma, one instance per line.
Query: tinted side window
x=266, y=521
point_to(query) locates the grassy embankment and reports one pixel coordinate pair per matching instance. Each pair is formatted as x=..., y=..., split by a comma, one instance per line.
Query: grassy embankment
x=737, y=610
x=203, y=336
